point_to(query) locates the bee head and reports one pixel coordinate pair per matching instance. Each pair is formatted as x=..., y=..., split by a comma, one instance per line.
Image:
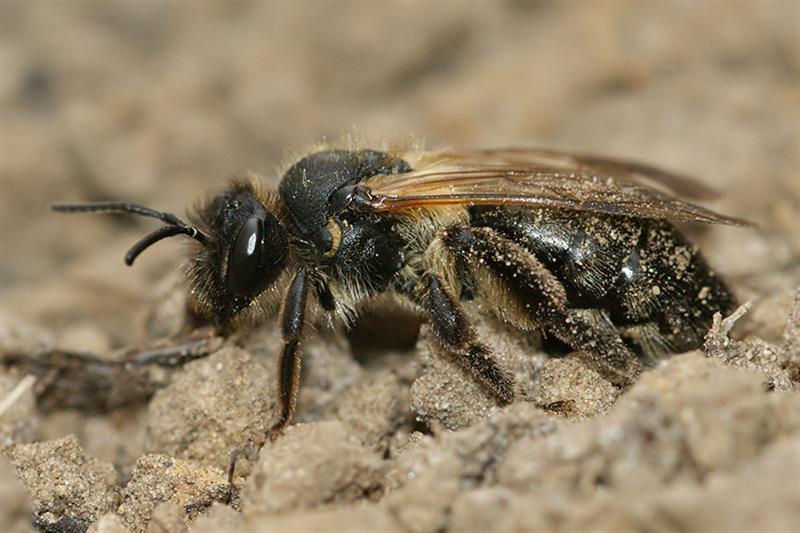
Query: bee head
x=240, y=246
x=244, y=253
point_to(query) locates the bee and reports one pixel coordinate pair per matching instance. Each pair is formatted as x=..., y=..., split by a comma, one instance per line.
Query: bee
x=580, y=247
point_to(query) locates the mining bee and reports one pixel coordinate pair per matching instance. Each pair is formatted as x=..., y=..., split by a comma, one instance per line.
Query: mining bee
x=579, y=247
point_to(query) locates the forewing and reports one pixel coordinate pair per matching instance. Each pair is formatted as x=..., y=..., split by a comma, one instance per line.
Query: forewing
x=447, y=179
x=557, y=160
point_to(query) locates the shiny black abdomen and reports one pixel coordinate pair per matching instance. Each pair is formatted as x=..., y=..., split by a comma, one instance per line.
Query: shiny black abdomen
x=584, y=251
x=640, y=272
x=665, y=280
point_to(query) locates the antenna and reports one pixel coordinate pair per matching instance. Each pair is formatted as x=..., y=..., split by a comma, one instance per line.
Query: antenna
x=176, y=225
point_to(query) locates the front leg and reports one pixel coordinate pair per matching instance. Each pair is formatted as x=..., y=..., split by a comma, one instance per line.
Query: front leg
x=456, y=335
x=292, y=323
x=293, y=313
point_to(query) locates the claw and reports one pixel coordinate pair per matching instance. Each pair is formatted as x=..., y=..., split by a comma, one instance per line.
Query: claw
x=276, y=431
x=250, y=451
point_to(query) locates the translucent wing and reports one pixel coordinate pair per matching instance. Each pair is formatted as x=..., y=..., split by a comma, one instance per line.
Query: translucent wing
x=623, y=170
x=542, y=178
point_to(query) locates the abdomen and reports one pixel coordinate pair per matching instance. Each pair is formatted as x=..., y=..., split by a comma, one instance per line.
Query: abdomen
x=665, y=281
x=653, y=283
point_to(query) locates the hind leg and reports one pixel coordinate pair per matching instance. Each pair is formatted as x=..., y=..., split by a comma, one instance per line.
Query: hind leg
x=526, y=294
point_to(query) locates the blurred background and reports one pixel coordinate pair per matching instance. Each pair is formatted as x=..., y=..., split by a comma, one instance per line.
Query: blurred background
x=161, y=102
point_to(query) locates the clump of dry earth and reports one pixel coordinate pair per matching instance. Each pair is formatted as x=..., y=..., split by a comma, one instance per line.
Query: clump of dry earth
x=420, y=447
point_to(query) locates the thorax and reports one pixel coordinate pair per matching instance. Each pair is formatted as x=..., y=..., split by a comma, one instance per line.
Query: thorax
x=306, y=191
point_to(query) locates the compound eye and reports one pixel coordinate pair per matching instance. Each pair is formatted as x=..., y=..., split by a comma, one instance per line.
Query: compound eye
x=244, y=258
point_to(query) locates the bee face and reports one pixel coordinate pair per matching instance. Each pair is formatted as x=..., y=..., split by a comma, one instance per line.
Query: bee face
x=246, y=251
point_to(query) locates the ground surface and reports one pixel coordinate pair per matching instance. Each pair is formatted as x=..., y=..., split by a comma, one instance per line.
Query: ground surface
x=160, y=103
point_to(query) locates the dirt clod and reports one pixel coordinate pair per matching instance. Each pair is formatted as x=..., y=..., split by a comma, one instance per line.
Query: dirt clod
x=665, y=430
x=15, y=511
x=778, y=363
x=219, y=517
x=190, y=486
x=582, y=391
x=109, y=523
x=212, y=407
x=428, y=477
x=68, y=489
x=311, y=465
x=167, y=517
x=374, y=410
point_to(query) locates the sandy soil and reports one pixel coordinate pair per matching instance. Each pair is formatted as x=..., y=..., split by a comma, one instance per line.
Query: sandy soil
x=161, y=103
